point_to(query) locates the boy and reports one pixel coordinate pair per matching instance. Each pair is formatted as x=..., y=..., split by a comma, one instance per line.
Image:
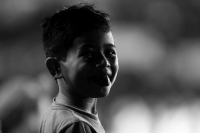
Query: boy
x=82, y=58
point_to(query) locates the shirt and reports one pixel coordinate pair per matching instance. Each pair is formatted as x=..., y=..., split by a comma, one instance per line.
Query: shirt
x=62, y=118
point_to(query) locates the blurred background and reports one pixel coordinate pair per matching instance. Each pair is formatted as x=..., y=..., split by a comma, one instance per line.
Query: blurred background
x=158, y=85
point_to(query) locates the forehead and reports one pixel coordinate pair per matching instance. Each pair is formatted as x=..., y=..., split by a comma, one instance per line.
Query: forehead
x=94, y=38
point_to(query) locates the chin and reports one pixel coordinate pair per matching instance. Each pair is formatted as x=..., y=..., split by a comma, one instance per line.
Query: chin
x=104, y=92
x=99, y=91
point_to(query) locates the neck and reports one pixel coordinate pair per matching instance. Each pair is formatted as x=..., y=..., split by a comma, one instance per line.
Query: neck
x=64, y=96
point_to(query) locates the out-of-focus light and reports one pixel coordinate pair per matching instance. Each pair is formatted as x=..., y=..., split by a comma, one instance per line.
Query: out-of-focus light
x=138, y=48
x=135, y=116
x=174, y=120
x=132, y=118
x=195, y=112
x=187, y=62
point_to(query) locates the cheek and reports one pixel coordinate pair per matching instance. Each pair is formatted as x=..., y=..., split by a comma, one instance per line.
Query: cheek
x=115, y=68
x=115, y=65
x=81, y=73
x=73, y=73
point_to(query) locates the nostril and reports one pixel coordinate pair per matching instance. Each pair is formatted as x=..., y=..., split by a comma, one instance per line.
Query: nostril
x=108, y=64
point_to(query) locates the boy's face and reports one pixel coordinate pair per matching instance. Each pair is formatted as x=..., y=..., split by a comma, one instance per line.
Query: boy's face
x=91, y=65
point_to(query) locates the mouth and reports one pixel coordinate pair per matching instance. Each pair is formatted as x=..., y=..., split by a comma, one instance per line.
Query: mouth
x=101, y=80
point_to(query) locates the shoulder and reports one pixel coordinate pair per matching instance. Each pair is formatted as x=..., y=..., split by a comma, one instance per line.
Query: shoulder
x=58, y=119
x=64, y=119
x=78, y=127
x=59, y=114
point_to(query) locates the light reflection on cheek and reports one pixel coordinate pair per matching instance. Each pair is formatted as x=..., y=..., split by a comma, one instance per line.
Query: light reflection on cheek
x=115, y=62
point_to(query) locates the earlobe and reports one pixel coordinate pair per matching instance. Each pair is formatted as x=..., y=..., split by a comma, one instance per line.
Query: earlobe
x=54, y=67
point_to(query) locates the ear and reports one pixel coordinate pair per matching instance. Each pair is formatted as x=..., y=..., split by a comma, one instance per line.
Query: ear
x=54, y=67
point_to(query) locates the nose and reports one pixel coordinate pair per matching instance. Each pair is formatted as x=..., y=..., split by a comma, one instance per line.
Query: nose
x=103, y=62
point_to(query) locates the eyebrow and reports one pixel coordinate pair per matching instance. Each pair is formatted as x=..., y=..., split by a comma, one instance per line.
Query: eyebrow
x=110, y=45
x=89, y=46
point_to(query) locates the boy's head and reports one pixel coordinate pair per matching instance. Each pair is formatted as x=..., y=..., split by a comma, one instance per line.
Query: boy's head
x=60, y=30
x=80, y=50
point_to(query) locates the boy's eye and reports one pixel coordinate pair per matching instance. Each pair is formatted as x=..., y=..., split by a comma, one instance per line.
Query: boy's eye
x=88, y=54
x=111, y=52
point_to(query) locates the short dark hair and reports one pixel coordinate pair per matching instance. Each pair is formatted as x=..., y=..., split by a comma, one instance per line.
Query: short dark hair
x=60, y=29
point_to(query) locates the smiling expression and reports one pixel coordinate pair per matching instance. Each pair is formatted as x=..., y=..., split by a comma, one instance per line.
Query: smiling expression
x=91, y=65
